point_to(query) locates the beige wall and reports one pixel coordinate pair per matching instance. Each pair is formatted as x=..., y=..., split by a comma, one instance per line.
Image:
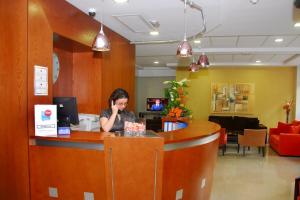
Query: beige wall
x=273, y=86
x=149, y=87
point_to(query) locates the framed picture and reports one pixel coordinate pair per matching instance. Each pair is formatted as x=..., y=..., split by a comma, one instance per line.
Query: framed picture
x=236, y=98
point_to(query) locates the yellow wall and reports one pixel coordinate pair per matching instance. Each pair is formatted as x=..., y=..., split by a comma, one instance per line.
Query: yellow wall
x=273, y=87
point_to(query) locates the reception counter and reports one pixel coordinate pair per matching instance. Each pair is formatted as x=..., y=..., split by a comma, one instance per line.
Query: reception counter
x=163, y=165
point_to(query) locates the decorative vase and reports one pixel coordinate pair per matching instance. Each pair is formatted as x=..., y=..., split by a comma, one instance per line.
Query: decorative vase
x=287, y=116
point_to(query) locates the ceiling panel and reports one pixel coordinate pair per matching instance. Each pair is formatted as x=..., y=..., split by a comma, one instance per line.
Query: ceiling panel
x=270, y=42
x=250, y=41
x=280, y=58
x=205, y=43
x=294, y=61
x=222, y=58
x=240, y=58
x=223, y=41
x=148, y=60
x=135, y=23
x=262, y=57
x=156, y=49
x=211, y=58
x=296, y=42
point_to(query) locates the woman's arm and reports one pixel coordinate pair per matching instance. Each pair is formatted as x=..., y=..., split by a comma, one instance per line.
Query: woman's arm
x=107, y=124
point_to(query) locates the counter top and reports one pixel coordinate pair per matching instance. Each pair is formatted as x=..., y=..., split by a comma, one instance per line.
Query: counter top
x=78, y=136
x=196, y=129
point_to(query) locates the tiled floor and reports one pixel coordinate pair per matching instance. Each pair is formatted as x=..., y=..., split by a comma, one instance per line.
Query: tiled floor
x=253, y=177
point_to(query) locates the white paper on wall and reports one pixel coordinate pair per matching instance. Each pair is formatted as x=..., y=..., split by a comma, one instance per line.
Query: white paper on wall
x=40, y=81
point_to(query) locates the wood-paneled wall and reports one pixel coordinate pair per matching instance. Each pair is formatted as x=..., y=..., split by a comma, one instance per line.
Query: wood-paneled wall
x=40, y=48
x=63, y=48
x=26, y=38
x=118, y=69
x=90, y=76
x=87, y=80
x=14, y=181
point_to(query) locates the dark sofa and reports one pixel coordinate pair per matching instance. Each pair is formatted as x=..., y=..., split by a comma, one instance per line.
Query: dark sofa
x=235, y=125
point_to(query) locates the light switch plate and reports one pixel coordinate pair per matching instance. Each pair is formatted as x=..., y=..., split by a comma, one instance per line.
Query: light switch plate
x=53, y=192
x=88, y=195
x=179, y=194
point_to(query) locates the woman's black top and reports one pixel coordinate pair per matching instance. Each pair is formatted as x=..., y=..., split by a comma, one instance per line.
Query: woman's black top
x=119, y=123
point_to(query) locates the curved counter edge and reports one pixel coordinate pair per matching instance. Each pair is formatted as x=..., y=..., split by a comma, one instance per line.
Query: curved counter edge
x=192, y=143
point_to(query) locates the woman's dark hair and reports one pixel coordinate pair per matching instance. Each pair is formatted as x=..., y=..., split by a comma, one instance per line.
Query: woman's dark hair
x=118, y=93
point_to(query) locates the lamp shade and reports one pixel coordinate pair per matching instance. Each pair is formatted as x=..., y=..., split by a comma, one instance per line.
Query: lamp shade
x=101, y=42
x=194, y=67
x=203, y=60
x=184, y=49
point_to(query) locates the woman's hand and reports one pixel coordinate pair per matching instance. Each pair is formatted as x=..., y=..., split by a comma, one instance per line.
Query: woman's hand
x=114, y=108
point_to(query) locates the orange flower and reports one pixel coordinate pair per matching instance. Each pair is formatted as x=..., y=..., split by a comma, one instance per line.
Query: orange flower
x=175, y=112
x=288, y=105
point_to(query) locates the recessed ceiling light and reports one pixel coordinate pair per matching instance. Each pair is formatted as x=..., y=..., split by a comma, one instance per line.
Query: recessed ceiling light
x=154, y=33
x=120, y=1
x=278, y=40
x=156, y=62
x=297, y=24
x=197, y=41
x=258, y=61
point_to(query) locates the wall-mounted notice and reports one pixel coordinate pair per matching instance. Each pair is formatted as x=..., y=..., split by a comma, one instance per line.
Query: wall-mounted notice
x=40, y=81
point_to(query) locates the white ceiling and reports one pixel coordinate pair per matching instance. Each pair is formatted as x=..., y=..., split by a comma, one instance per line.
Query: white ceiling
x=238, y=32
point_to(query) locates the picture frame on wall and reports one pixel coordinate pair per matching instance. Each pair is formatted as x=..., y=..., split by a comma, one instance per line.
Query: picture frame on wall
x=232, y=98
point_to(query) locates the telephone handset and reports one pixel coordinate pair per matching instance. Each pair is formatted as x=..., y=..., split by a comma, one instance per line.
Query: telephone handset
x=119, y=111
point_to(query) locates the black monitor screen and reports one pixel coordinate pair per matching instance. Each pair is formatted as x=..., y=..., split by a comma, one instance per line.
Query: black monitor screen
x=66, y=108
x=156, y=104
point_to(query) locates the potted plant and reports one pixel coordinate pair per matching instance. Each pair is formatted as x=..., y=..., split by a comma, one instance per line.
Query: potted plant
x=177, y=97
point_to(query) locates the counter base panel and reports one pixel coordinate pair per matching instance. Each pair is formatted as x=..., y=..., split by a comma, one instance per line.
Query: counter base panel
x=72, y=171
x=187, y=168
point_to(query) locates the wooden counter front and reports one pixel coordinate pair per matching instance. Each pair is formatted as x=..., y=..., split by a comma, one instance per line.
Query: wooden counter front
x=183, y=160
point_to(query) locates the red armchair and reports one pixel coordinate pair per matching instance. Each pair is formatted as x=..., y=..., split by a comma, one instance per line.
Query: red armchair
x=285, y=139
x=223, y=140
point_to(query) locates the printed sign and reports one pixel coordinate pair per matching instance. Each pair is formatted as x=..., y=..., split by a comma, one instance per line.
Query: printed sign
x=45, y=120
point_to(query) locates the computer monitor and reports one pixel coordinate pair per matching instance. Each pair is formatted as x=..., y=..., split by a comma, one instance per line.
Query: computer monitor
x=156, y=104
x=66, y=110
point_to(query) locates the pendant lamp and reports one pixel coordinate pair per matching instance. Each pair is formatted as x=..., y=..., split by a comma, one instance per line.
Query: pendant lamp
x=101, y=42
x=184, y=49
x=203, y=60
x=194, y=67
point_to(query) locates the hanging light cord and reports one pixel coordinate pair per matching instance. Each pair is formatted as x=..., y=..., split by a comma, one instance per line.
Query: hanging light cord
x=185, y=20
x=199, y=8
x=101, y=20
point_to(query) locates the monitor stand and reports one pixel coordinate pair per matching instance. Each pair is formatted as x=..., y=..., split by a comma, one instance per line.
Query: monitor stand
x=63, y=121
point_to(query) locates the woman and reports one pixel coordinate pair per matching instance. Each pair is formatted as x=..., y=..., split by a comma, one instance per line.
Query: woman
x=113, y=118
